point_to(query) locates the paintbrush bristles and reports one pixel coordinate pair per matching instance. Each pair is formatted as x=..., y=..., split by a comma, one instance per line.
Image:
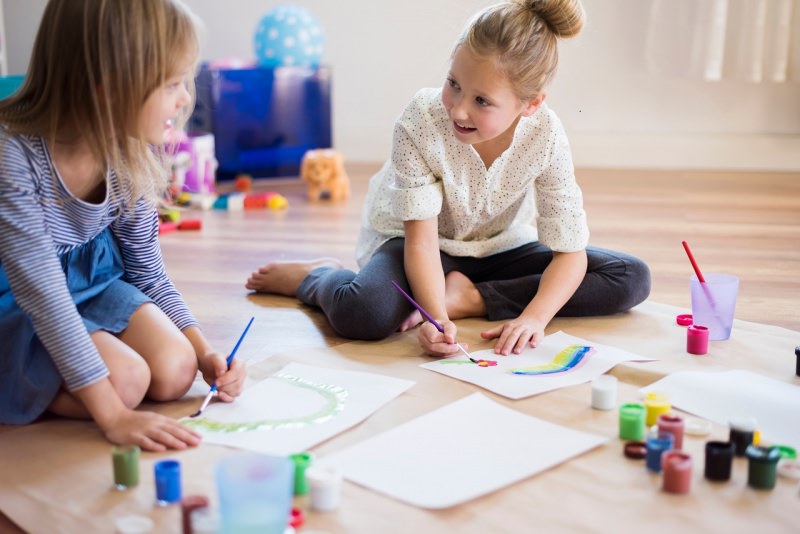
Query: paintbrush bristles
x=205, y=403
x=473, y=360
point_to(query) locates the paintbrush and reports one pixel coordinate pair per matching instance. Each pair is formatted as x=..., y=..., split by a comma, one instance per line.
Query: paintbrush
x=427, y=316
x=213, y=390
x=703, y=284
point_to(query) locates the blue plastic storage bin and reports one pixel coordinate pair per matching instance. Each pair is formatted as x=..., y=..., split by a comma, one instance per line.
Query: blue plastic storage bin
x=263, y=120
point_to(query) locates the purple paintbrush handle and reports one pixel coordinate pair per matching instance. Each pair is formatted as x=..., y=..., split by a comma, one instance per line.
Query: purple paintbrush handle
x=418, y=307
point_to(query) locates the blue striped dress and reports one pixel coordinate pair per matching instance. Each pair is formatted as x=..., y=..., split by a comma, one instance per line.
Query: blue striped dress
x=67, y=268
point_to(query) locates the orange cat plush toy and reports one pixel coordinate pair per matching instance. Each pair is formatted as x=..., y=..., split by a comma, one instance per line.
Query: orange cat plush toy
x=323, y=170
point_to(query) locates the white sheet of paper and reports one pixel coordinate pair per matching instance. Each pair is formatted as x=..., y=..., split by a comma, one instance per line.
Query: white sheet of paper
x=723, y=396
x=500, y=380
x=461, y=451
x=294, y=402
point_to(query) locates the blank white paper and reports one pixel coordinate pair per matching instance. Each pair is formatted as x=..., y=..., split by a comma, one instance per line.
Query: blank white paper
x=727, y=395
x=461, y=451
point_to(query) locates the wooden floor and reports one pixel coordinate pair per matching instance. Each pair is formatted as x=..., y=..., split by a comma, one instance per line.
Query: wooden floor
x=747, y=224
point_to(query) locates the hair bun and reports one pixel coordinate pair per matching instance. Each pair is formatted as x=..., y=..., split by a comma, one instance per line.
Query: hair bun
x=565, y=18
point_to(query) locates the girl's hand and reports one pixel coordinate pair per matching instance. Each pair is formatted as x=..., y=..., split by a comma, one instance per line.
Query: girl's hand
x=149, y=430
x=437, y=343
x=229, y=381
x=514, y=335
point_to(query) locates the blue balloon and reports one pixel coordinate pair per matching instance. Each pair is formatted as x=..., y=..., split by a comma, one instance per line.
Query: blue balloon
x=288, y=36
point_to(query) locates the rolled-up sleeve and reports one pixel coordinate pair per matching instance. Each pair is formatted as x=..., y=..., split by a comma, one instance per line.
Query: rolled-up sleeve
x=417, y=203
x=561, y=219
x=415, y=192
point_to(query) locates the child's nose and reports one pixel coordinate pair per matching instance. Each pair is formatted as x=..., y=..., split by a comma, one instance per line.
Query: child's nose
x=184, y=98
x=457, y=110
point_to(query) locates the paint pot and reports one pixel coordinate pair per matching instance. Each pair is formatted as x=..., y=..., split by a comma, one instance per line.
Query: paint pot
x=168, y=482
x=188, y=505
x=719, y=459
x=797, y=364
x=762, y=466
x=655, y=403
x=677, y=467
x=674, y=425
x=656, y=447
x=697, y=339
x=604, y=392
x=302, y=461
x=325, y=483
x=742, y=432
x=631, y=421
x=125, y=461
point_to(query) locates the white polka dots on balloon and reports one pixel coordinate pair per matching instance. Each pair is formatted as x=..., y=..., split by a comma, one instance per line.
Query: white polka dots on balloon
x=288, y=36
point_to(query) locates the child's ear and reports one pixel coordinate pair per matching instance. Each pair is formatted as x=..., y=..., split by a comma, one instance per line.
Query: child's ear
x=533, y=104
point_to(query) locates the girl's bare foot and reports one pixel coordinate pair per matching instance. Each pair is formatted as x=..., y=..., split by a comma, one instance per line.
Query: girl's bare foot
x=462, y=297
x=411, y=321
x=284, y=277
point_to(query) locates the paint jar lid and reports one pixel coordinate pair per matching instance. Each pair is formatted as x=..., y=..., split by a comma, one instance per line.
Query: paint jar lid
x=789, y=469
x=721, y=448
x=695, y=426
x=635, y=450
x=787, y=452
x=204, y=521
x=134, y=524
x=766, y=455
x=684, y=319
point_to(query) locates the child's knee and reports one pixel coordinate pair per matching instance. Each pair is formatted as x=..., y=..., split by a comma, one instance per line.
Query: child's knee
x=637, y=284
x=173, y=370
x=363, y=326
x=131, y=381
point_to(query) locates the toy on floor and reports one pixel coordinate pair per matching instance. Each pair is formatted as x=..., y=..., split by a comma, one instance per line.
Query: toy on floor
x=169, y=220
x=241, y=201
x=188, y=224
x=323, y=171
x=194, y=165
x=243, y=183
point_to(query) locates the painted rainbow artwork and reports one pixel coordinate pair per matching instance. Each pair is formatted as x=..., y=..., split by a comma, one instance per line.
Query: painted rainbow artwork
x=564, y=361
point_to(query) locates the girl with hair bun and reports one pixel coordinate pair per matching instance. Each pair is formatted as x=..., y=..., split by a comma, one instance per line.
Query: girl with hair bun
x=477, y=213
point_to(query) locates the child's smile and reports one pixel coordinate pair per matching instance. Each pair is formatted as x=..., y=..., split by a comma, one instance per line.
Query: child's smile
x=462, y=129
x=479, y=99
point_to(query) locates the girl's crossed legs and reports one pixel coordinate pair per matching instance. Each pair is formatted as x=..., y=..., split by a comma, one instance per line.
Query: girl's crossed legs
x=364, y=305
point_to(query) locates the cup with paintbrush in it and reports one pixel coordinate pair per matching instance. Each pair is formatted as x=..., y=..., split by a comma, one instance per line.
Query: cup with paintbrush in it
x=713, y=300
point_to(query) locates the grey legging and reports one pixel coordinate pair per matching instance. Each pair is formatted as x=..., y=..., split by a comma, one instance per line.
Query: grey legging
x=364, y=305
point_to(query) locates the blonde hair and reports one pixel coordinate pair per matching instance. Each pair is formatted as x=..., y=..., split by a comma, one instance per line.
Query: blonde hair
x=523, y=36
x=93, y=66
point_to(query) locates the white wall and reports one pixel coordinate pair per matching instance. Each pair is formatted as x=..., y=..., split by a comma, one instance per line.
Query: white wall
x=617, y=111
